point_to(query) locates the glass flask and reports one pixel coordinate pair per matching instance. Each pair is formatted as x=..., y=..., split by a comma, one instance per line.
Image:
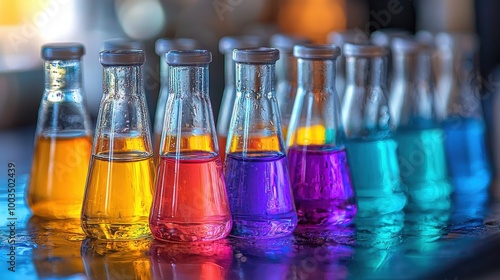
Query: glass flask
x=419, y=136
x=163, y=46
x=121, y=175
x=319, y=172
x=371, y=149
x=464, y=128
x=63, y=138
x=339, y=38
x=105, y=259
x=190, y=202
x=226, y=47
x=461, y=114
x=256, y=169
x=286, y=75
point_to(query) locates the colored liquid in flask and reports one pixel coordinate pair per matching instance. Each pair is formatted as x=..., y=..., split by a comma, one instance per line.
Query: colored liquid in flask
x=466, y=155
x=193, y=205
x=58, y=176
x=423, y=168
x=222, y=147
x=119, y=192
x=321, y=186
x=375, y=175
x=261, y=203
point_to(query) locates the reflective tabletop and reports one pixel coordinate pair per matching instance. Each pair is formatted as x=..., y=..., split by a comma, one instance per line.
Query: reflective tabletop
x=462, y=243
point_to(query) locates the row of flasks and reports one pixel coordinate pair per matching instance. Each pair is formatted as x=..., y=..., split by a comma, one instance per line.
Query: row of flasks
x=303, y=155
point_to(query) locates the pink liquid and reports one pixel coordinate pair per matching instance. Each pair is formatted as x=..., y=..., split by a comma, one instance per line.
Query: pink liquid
x=191, y=202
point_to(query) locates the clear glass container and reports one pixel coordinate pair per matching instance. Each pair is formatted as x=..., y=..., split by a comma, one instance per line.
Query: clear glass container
x=190, y=202
x=286, y=75
x=121, y=176
x=419, y=136
x=256, y=169
x=319, y=172
x=163, y=46
x=63, y=138
x=226, y=47
x=461, y=116
x=371, y=149
x=340, y=38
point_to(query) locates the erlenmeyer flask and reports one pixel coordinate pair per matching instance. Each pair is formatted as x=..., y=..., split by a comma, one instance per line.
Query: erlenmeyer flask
x=121, y=175
x=226, y=47
x=371, y=149
x=420, y=139
x=191, y=202
x=319, y=173
x=256, y=167
x=286, y=75
x=63, y=137
x=340, y=38
x=163, y=46
x=464, y=128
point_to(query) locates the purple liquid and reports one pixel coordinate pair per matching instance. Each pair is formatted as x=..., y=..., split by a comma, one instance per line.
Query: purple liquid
x=260, y=195
x=321, y=184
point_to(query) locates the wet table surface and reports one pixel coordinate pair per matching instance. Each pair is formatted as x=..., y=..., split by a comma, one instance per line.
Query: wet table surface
x=461, y=243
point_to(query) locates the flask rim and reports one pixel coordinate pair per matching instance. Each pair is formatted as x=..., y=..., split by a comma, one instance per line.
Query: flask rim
x=408, y=45
x=188, y=57
x=122, y=57
x=348, y=36
x=164, y=45
x=364, y=50
x=260, y=55
x=62, y=51
x=310, y=51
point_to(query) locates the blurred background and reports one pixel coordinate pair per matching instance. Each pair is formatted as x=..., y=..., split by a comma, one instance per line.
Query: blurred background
x=26, y=25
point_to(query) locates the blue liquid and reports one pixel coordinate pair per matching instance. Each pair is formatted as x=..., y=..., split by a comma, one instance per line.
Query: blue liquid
x=466, y=155
x=260, y=195
x=375, y=176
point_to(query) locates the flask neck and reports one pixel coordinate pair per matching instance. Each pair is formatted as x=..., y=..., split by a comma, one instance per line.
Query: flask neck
x=63, y=75
x=255, y=80
x=229, y=67
x=316, y=75
x=287, y=69
x=412, y=68
x=188, y=81
x=163, y=72
x=122, y=81
x=366, y=71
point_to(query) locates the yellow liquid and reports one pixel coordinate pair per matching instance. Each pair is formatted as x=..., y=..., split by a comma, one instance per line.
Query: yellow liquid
x=119, y=194
x=203, y=142
x=58, y=174
x=310, y=135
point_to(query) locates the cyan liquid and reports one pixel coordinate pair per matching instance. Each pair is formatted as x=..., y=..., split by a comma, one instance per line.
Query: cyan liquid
x=423, y=169
x=466, y=155
x=375, y=176
x=322, y=188
x=260, y=196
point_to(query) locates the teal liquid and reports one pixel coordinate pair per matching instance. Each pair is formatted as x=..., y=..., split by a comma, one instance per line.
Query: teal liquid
x=422, y=163
x=379, y=192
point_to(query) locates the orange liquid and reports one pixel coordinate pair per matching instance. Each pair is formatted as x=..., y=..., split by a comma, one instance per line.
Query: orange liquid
x=255, y=144
x=156, y=147
x=191, y=202
x=222, y=147
x=58, y=174
x=311, y=135
x=119, y=192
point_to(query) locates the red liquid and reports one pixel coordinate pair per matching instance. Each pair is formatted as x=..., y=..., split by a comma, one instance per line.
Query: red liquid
x=191, y=202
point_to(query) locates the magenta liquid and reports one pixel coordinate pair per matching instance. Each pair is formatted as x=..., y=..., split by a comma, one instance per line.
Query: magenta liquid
x=322, y=187
x=259, y=195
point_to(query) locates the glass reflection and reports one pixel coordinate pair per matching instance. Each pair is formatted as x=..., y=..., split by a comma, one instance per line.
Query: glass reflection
x=57, y=250
x=200, y=260
x=116, y=259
